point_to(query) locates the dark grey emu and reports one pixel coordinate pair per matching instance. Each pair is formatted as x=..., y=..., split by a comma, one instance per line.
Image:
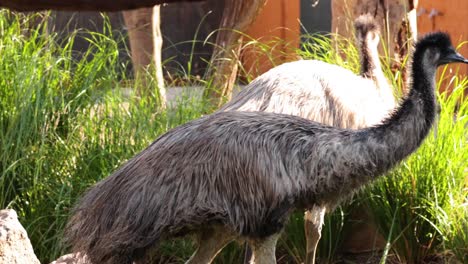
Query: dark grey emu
x=326, y=94
x=239, y=175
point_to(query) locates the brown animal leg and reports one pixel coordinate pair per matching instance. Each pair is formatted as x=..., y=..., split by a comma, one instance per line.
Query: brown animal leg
x=313, y=222
x=210, y=243
x=264, y=250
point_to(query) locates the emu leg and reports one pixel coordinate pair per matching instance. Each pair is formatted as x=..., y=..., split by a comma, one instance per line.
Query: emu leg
x=313, y=222
x=263, y=251
x=210, y=243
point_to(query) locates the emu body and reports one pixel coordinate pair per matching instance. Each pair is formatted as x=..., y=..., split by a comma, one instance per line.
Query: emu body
x=325, y=93
x=317, y=91
x=245, y=172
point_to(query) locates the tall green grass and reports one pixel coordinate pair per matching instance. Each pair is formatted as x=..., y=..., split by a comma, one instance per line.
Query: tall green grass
x=65, y=124
x=421, y=207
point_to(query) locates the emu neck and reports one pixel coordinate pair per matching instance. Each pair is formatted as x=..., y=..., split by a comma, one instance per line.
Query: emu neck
x=366, y=56
x=382, y=147
x=371, y=67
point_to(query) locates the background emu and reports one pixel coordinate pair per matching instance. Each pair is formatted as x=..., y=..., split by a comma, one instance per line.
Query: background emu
x=327, y=94
x=340, y=98
x=239, y=175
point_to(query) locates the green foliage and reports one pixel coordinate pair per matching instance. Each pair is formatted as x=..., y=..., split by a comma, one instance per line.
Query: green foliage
x=424, y=201
x=65, y=124
x=339, y=51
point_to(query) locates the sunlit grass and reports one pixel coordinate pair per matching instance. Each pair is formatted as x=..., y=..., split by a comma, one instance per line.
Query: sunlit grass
x=65, y=124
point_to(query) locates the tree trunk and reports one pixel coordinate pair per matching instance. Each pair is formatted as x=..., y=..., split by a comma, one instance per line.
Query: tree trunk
x=83, y=5
x=157, y=53
x=397, y=19
x=145, y=44
x=237, y=17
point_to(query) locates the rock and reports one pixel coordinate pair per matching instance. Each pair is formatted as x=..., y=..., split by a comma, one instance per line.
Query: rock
x=15, y=247
x=73, y=258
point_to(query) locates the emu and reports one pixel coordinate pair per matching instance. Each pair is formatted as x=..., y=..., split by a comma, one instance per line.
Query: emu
x=239, y=175
x=326, y=94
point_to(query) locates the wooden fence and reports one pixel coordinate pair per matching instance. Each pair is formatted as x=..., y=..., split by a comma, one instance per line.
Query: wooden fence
x=450, y=16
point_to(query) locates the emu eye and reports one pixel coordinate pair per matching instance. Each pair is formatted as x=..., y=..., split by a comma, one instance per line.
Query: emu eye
x=433, y=55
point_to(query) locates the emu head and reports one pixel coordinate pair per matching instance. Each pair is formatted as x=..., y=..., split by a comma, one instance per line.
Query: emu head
x=367, y=30
x=438, y=50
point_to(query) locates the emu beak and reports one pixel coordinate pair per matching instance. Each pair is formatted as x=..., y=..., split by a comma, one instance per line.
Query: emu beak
x=454, y=57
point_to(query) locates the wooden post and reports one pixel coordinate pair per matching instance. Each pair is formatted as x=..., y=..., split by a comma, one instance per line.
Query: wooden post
x=157, y=53
x=145, y=44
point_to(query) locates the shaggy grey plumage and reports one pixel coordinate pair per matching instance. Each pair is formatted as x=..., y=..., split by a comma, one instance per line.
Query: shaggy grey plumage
x=245, y=172
x=327, y=94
